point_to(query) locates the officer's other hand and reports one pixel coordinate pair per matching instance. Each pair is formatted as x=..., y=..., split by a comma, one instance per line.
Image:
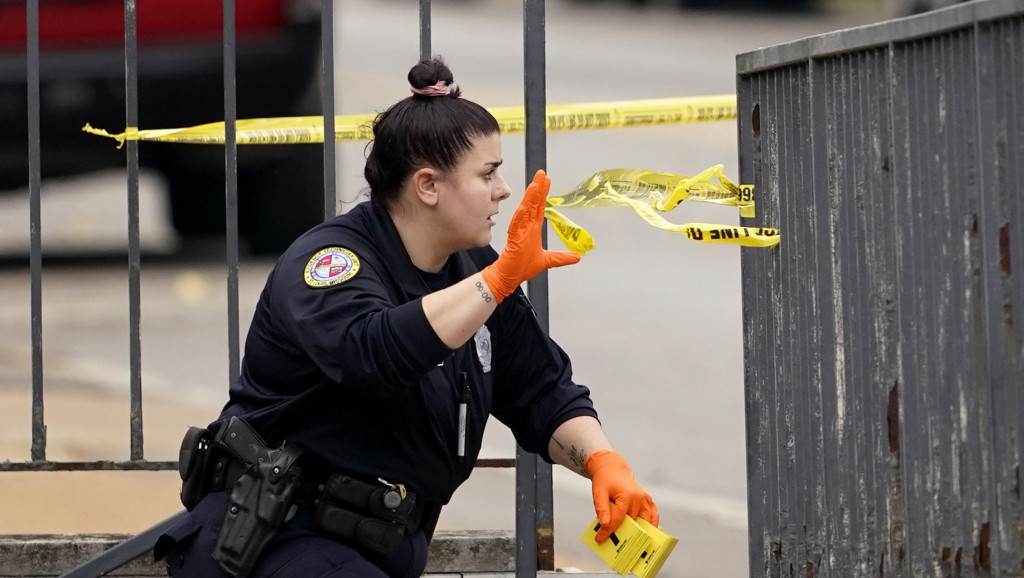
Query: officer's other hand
x=524, y=256
x=612, y=481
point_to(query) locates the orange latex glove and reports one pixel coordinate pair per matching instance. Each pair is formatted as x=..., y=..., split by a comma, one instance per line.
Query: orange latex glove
x=612, y=480
x=524, y=257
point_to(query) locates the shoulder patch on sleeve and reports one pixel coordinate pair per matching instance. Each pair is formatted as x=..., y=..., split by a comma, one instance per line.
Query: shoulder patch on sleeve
x=331, y=266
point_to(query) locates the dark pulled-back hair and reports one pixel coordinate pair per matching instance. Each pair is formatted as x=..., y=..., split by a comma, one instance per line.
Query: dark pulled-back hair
x=420, y=131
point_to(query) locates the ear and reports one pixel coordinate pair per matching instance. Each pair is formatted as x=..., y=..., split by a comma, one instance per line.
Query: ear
x=425, y=185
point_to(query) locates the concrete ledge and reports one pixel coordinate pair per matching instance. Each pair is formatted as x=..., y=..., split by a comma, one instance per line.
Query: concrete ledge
x=472, y=551
x=477, y=552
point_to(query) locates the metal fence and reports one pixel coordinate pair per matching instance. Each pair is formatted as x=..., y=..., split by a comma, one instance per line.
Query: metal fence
x=534, y=514
x=884, y=344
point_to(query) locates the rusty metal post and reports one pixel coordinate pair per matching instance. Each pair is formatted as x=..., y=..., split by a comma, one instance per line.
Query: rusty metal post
x=883, y=338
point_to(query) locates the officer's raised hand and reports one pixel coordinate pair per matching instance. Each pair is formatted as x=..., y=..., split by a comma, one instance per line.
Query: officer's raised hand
x=524, y=256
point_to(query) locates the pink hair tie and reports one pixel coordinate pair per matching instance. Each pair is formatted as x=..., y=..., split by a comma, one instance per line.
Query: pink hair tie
x=439, y=89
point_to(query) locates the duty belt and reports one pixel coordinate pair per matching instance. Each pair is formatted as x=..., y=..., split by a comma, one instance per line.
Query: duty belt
x=389, y=502
x=376, y=515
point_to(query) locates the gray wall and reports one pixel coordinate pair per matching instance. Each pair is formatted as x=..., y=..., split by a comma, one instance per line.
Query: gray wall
x=884, y=340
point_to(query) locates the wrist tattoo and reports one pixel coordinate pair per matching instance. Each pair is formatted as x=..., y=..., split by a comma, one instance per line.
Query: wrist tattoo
x=483, y=291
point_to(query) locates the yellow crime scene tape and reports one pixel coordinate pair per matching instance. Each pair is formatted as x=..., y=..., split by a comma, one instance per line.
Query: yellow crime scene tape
x=650, y=193
x=357, y=127
x=646, y=192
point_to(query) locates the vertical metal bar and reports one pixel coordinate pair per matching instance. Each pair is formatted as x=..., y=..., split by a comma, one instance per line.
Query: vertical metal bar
x=534, y=516
x=992, y=292
x=424, y=29
x=818, y=471
x=526, y=514
x=231, y=184
x=753, y=266
x=35, y=233
x=798, y=234
x=327, y=96
x=535, y=102
x=131, y=113
x=997, y=57
x=901, y=91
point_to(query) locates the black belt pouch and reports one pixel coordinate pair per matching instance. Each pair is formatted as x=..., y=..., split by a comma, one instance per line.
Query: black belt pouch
x=374, y=516
x=193, y=466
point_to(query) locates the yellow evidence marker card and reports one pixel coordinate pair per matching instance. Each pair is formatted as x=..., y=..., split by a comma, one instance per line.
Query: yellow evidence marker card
x=636, y=546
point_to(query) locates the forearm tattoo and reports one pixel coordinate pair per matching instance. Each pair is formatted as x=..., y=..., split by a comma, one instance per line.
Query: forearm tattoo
x=483, y=291
x=577, y=456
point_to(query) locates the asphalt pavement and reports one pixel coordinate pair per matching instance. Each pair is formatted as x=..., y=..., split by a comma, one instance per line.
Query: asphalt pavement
x=651, y=320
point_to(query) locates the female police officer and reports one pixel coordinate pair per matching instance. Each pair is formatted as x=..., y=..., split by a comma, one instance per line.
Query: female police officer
x=381, y=343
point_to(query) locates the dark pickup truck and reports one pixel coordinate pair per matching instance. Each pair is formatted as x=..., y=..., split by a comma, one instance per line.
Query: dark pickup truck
x=180, y=83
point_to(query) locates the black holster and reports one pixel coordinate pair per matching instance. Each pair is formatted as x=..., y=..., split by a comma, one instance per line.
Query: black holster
x=375, y=516
x=260, y=499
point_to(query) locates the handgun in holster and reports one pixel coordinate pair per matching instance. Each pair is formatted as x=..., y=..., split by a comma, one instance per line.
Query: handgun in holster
x=260, y=499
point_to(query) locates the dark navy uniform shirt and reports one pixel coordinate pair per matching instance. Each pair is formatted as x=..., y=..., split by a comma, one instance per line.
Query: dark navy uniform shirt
x=340, y=359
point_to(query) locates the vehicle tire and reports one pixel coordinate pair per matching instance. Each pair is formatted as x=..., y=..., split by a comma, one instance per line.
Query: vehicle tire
x=280, y=194
x=195, y=192
x=281, y=199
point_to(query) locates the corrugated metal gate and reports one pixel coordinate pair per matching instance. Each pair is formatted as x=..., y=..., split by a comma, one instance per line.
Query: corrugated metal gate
x=534, y=515
x=884, y=344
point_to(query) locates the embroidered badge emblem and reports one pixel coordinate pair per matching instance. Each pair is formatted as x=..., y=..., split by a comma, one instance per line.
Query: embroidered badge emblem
x=331, y=266
x=483, y=347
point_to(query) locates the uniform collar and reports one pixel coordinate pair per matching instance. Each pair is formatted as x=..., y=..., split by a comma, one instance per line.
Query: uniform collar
x=399, y=263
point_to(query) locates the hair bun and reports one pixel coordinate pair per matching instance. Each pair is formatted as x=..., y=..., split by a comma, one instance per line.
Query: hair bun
x=428, y=73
